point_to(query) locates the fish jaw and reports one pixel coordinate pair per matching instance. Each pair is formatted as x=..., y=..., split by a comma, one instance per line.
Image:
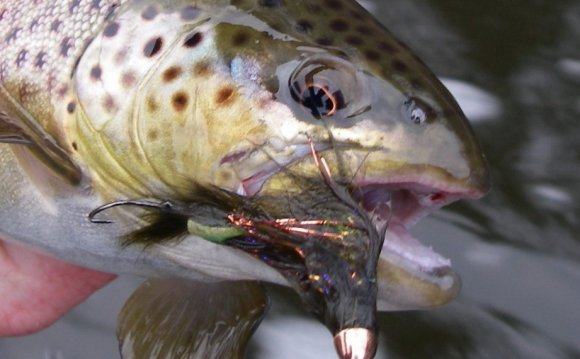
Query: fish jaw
x=410, y=275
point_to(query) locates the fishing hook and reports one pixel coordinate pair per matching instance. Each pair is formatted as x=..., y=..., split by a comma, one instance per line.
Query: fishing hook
x=164, y=207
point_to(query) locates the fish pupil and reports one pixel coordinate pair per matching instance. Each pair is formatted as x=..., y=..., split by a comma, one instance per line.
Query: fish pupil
x=319, y=99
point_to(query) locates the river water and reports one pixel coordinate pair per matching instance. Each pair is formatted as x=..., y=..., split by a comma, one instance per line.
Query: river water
x=515, y=68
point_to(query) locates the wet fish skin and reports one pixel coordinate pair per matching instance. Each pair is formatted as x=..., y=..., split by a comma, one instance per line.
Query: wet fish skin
x=64, y=61
x=139, y=99
x=87, y=135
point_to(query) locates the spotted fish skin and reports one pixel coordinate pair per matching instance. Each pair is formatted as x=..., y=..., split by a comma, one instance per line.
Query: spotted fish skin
x=137, y=94
x=142, y=98
x=40, y=42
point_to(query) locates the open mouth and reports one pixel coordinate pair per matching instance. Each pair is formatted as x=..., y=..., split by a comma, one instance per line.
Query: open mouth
x=330, y=248
x=400, y=204
x=390, y=204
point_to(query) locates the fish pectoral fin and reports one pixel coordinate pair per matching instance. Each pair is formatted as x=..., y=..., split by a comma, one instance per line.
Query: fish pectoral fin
x=175, y=318
x=18, y=127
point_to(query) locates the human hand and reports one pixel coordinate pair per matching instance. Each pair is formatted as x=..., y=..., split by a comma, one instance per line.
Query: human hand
x=36, y=289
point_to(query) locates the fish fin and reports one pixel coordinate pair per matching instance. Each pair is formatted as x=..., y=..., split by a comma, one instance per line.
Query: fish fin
x=18, y=127
x=175, y=318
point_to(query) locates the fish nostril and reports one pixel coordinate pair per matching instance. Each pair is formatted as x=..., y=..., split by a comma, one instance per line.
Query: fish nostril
x=417, y=111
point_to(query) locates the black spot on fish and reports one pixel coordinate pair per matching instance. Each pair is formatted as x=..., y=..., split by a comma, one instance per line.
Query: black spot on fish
x=74, y=4
x=354, y=40
x=34, y=25
x=111, y=30
x=152, y=47
x=189, y=13
x=149, y=13
x=358, y=15
x=13, y=35
x=399, y=65
x=372, y=55
x=334, y=4
x=192, y=40
x=21, y=58
x=304, y=26
x=270, y=3
x=179, y=101
x=74, y=146
x=96, y=72
x=65, y=45
x=55, y=25
x=40, y=60
x=71, y=107
x=61, y=91
x=339, y=25
x=386, y=47
x=240, y=38
x=96, y=4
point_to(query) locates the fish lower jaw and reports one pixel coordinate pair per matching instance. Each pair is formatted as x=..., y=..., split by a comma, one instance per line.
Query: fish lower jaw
x=410, y=274
x=402, y=247
x=401, y=206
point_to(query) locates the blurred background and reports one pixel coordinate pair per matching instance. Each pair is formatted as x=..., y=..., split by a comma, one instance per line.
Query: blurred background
x=514, y=66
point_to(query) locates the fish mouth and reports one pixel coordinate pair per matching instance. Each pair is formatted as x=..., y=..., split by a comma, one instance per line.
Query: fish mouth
x=401, y=202
x=411, y=275
x=402, y=205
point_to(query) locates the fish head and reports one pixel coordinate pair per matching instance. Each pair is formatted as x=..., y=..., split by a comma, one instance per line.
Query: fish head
x=383, y=122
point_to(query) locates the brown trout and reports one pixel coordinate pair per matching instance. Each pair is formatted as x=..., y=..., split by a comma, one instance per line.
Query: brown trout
x=213, y=144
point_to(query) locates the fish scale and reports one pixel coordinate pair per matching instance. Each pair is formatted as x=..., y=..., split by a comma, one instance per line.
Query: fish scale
x=269, y=140
x=40, y=42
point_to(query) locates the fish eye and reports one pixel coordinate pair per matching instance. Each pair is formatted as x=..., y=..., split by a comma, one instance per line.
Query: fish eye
x=318, y=98
x=323, y=86
x=417, y=111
